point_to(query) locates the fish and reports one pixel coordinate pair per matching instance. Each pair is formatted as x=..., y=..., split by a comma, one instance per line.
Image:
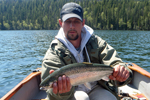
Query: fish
x=79, y=73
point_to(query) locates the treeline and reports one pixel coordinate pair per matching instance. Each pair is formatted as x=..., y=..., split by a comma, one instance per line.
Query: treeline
x=99, y=14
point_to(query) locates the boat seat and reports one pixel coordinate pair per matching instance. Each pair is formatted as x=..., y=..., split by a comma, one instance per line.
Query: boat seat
x=132, y=91
x=128, y=89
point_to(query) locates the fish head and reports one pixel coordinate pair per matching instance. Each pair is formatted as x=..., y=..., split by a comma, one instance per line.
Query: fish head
x=46, y=87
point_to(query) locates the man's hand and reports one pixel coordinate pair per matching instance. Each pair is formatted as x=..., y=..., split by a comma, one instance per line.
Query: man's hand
x=120, y=73
x=62, y=85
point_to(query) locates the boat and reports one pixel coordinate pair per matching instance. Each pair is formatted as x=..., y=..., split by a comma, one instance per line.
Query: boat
x=28, y=88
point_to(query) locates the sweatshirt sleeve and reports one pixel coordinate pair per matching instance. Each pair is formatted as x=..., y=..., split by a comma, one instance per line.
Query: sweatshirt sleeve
x=53, y=61
x=63, y=96
x=109, y=56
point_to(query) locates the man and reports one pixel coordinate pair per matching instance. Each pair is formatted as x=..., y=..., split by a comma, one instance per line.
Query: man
x=74, y=43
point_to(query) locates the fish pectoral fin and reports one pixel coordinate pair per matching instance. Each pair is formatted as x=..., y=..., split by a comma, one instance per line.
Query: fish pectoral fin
x=88, y=85
x=105, y=78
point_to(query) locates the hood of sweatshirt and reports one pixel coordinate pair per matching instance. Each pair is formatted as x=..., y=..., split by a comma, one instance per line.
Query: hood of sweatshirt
x=85, y=35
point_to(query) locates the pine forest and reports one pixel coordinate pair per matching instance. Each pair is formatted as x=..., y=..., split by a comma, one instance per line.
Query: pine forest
x=98, y=14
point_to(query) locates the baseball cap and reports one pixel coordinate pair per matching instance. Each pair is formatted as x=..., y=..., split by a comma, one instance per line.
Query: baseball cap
x=70, y=10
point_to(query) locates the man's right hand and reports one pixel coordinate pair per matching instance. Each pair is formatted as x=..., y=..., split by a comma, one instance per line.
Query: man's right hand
x=62, y=85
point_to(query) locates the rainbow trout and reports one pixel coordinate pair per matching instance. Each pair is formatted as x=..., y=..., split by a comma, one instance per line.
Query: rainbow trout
x=79, y=73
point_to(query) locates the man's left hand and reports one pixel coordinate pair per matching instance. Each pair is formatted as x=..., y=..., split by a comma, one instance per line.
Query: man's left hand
x=120, y=73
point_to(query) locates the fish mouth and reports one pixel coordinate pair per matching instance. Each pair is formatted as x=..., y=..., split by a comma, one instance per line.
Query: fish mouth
x=42, y=87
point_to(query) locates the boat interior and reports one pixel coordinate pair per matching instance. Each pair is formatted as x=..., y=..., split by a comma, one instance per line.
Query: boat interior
x=28, y=89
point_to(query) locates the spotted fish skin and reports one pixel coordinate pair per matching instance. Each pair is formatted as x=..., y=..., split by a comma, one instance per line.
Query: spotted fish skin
x=79, y=73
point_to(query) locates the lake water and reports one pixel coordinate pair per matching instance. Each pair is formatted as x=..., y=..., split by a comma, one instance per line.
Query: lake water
x=23, y=51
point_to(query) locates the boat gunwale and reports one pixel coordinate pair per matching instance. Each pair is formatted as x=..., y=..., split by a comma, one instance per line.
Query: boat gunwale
x=18, y=86
x=139, y=70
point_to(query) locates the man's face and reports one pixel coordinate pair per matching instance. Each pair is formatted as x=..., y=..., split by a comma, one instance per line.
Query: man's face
x=72, y=28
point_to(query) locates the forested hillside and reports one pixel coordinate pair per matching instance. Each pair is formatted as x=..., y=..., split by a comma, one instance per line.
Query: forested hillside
x=99, y=14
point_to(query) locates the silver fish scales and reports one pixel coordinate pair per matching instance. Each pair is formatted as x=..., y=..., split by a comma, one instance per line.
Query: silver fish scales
x=79, y=73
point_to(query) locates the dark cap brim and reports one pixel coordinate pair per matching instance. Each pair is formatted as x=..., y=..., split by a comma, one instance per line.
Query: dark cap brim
x=72, y=15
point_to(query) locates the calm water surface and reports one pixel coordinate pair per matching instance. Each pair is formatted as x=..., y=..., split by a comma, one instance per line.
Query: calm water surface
x=23, y=51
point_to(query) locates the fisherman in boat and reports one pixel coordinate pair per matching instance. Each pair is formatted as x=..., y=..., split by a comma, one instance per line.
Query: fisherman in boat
x=76, y=43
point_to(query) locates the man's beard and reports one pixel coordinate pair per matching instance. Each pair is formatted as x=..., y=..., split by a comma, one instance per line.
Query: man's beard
x=72, y=38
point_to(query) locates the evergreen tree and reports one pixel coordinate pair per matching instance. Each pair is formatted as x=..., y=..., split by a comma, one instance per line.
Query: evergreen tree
x=99, y=14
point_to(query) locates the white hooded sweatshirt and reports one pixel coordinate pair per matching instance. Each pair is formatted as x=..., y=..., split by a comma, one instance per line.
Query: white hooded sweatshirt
x=85, y=35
